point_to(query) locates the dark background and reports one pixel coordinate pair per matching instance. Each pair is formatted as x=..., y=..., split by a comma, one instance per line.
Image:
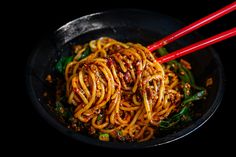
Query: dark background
x=29, y=22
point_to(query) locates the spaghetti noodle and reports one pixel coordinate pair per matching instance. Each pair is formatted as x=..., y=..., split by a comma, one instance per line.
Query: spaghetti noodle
x=121, y=88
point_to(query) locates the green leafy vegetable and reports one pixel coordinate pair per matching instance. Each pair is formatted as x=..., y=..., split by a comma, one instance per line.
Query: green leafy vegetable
x=172, y=121
x=162, y=51
x=61, y=64
x=62, y=111
x=190, y=75
x=191, y=79
x=104, y=137
x=185, y=76
x=183, y=115
x=119, y=133
x=85, y=53
x=63, y=61
x=59, y=108
x=99, y=117
x=198, y=96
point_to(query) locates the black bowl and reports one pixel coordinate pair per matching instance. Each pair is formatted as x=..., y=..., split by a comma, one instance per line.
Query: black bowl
x=124, y=25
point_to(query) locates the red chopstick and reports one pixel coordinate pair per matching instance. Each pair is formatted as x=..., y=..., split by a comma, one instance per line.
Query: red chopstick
x=198, y=45
x=199, y=23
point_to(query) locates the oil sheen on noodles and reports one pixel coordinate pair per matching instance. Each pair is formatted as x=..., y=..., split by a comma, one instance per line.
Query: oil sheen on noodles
x=120, y=87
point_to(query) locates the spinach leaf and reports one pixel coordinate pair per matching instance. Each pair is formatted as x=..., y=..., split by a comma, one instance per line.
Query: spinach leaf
x=172, y=121
x=85, y=53
x=62, y=111
x=185, y=76
x=61, y=64
x=183, y=115
x=197, y=96
x=162, y=51
x=59, y=108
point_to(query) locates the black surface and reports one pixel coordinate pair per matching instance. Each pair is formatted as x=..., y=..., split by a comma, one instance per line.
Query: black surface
x=38, y=19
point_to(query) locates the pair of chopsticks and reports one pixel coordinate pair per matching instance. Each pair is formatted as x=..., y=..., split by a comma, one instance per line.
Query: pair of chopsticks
x=198, y=45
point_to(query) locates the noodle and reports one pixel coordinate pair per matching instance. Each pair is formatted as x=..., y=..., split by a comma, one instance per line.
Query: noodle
x=123, y=84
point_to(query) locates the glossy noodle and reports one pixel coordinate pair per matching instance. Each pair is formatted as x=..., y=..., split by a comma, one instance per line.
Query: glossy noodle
x=120, y=89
